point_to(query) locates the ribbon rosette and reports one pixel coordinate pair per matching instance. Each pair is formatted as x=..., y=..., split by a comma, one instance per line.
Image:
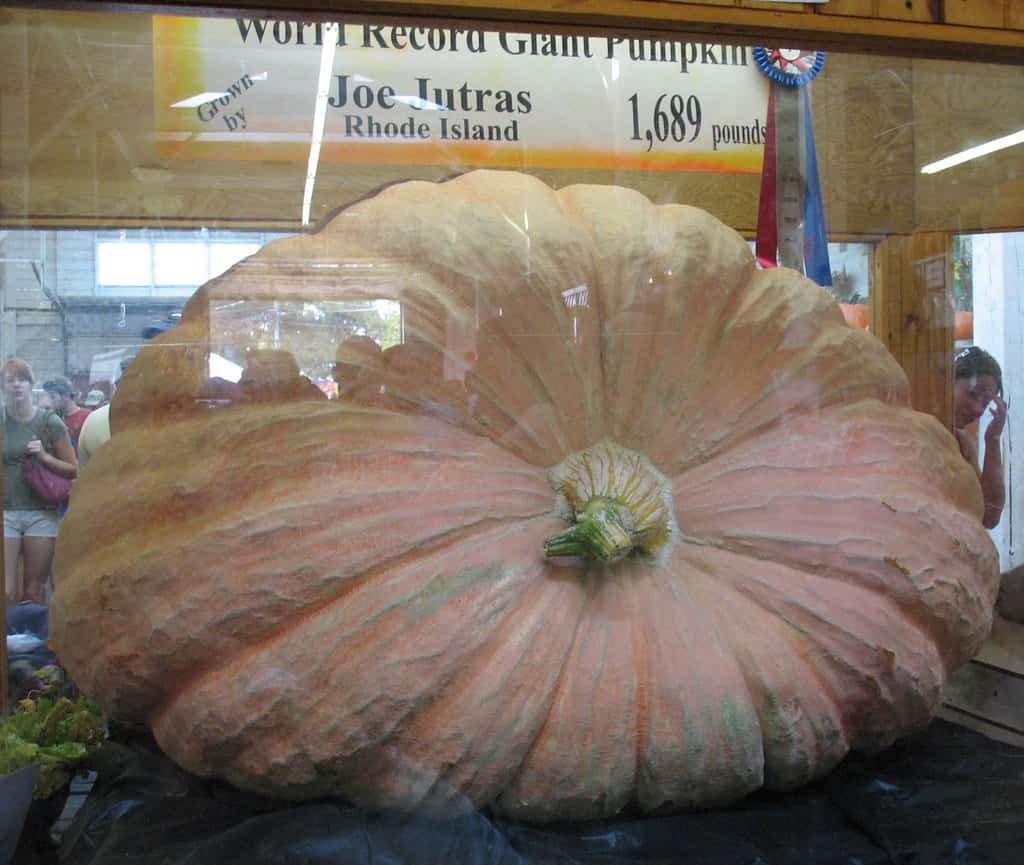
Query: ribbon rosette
x=790, y=218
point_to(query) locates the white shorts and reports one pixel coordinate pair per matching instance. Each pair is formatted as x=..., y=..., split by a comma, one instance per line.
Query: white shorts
x=31, y=524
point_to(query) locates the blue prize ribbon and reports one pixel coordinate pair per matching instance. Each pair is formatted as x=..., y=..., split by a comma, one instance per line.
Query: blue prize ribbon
x=795, y=72
x=796, y=68
x=816, y=263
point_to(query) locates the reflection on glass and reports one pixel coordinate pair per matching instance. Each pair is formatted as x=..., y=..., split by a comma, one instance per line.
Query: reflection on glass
x=312, y=332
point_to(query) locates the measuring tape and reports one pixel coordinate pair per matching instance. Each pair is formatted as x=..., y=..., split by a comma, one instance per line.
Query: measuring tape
x=790, y=227
x=790, y=171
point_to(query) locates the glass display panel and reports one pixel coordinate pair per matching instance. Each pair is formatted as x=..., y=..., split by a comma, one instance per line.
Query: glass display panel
x=528, y=429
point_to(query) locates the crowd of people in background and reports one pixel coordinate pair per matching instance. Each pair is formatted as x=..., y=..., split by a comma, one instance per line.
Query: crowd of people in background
x=50, y=426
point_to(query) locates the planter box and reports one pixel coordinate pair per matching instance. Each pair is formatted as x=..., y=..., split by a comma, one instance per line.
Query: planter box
x=15, y=798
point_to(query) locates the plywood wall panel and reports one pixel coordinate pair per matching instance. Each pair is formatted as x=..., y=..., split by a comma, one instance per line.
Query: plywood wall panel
x=912, y=313
x=863, y=123
x=243, y=195
x=76, y=143
x=960, y=106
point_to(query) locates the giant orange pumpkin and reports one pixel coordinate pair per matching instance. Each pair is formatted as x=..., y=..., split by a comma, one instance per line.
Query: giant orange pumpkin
x=674, y=534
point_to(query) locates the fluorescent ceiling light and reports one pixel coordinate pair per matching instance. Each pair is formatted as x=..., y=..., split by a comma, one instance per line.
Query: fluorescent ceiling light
x=323, y=87
x=199, y=99
x=974, y=152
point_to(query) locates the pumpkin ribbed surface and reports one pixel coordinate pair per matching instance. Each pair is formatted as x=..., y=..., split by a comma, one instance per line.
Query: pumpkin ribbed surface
x=352, y=597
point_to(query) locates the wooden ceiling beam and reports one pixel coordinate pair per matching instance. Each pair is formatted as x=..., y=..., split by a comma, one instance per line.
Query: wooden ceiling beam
x=794, y=24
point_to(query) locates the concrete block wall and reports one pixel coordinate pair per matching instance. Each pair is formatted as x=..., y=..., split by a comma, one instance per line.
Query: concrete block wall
x=101, y=325
x=32, y=326
x=37, y=339
x=75, y=261
x=58, y=332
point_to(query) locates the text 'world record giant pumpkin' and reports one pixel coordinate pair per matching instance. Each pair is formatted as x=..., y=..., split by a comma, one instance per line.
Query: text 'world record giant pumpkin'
x=655, y=530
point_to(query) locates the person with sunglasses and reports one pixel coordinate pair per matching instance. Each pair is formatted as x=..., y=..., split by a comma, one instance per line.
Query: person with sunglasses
x=977, y=385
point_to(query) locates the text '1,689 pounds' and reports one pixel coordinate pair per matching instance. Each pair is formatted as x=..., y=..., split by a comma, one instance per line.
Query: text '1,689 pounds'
x=672, y=118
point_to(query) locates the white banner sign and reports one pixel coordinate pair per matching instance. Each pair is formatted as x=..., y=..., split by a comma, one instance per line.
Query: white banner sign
x=246, y=88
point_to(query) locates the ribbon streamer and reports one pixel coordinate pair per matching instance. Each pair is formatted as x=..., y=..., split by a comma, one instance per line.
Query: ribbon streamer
x=790, y=215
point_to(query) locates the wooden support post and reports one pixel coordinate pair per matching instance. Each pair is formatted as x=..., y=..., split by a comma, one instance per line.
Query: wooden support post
x=912, y=312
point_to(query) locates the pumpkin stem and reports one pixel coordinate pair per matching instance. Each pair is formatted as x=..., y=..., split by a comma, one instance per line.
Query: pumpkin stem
x=604, y=531
x=617, y=501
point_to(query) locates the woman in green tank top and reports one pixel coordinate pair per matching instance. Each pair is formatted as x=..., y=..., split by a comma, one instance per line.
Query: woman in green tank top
x=30, y=525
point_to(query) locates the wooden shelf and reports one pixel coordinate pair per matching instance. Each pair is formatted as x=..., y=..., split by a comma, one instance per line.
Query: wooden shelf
x=987, y=30
x=987, y=695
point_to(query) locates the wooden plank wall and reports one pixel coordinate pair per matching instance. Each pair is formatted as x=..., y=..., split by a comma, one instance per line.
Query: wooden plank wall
x=999, y=14
x=988, y=694
x=938, y=28
x=912, y=313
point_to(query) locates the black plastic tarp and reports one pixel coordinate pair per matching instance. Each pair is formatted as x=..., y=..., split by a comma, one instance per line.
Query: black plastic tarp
x=947, y=796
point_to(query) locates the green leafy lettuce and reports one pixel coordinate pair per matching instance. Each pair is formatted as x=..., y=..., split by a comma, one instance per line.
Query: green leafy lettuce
x=50, y=729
